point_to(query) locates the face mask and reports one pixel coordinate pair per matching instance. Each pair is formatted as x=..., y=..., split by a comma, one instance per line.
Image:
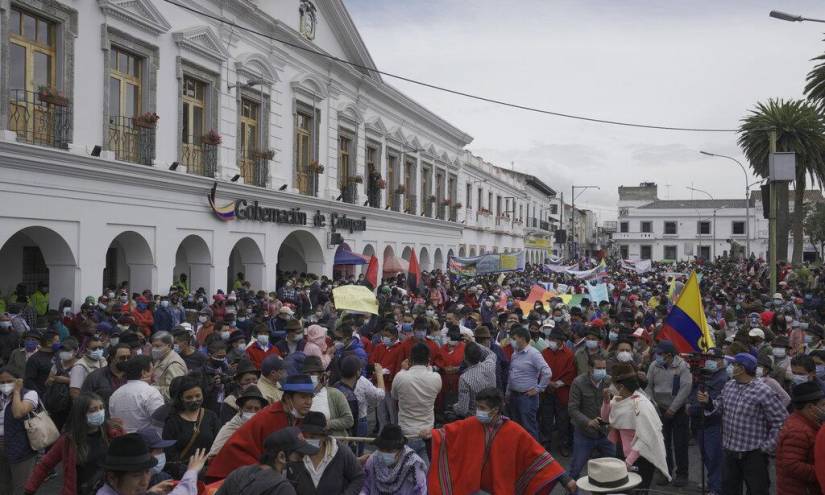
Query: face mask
x=406, y=327
x=624, y=356
x=613, y=336
x=124, y=299
x=553, y=345
x=123, y=328
x=430, y=313
x=420, y=334
x=599, y=375
x=246, y=416
x=760, y=372
x=202, y=318
x=192, y=405
x=96, y=418
x=114, y=341
x=339, y=345
x=797, y=379
x=66, y=355
x=101, y=305
x=157, y=354
x=314, y=379
x=779, y=352
x=295, y=414
x=6, y=388
x=176, y=348
x=110, y=295
x=483, y=416
x=387, y=341
x=263, y=340
x=96, y=355
x=319, y=314
x=315, y=442
x=231, y=310
x=161, y=463
x=809, y=339
x=385, y=458
x=225, y=335
x=711, y=365
x=729, y=369
x=660, y=360
x=241, y=346
x=591, y=344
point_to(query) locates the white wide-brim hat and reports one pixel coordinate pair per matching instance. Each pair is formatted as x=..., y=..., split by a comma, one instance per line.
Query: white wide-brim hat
x=607, y=475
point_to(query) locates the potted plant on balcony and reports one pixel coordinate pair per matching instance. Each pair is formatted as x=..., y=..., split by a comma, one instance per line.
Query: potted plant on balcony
x=432, y=198
x=263, y=155
x=446, y=202
x=458, y=206
x=400, y=189
x=381, y=183
x=148, y=120
x=52, y=96
x=316, y=167
x=212, y=138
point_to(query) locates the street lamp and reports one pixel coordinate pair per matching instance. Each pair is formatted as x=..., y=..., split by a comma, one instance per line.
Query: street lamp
x=747, y=199
x=573, y=213
x=695, y=189
x=782, y=16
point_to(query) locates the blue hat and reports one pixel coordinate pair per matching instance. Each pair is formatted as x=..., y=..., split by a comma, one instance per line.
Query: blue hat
x=299, y=383
x=666, y=346
x=153, y=440
x=746, y=360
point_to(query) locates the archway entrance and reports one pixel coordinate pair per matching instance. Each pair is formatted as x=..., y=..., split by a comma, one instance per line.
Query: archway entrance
x=246, y=257
x=193, y=259
x=300, y=252
x=424, y=260
x=462, y=252
x=34, y=255
x=341, y=271
x=406, y=253
x=472, y=252
x=129, y=259
x=439, y=259
x=368, y=251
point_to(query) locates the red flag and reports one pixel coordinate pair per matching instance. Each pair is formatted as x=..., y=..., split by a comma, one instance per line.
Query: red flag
x=372, y=272
x=414, y=273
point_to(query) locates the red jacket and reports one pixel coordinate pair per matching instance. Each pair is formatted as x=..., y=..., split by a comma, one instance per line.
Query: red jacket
x=563, y=366
x=435, y=350
x=819, y=458
x=245, y=446
x=143, y=320
x=257, y=355
x=390, y=359
x=62, y=452
x=795, y=471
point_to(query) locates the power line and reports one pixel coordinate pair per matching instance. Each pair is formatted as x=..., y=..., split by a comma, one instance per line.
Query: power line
x=452, y=91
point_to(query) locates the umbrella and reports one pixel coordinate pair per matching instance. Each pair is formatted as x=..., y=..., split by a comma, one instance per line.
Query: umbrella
x=355, y=298
x=395, y=264
x=346, y=257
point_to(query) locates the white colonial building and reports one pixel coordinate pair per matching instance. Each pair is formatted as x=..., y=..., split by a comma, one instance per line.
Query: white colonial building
x=120, y=119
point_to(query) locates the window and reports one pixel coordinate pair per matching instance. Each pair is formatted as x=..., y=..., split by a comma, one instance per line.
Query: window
x=344, y=174
x=469, y=196
x=647, y=227
x=480, y=204
x=34, y=267
x=554, y=209
x=670, y=229
x=704, y=252
x=738, y=228
x=703, y=228
x=249, y=140
x=32, y=51
x=409, y=181
x=624, y=227
x=373, y=173
x=670, y=252
x=624, y=252
x=393, y=198
x=499, y=211
x=490, y=201
x=304, y=150
x=125, y=85
x=647, y=252
x=193, y=125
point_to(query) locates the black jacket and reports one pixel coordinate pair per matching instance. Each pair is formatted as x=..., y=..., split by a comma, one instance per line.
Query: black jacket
x=343, y=475
x=255, y=480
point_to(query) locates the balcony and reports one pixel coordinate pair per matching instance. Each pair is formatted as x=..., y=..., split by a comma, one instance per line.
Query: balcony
x=200, y=159
x=411, y=204
x=453, y=213
x=131, y=140
x=40, y=121
x=349, y=191
x=428, y=208
x=254, y=171
x=395, y=199
x=374, y=187
x=544, y=226
x=307, y=180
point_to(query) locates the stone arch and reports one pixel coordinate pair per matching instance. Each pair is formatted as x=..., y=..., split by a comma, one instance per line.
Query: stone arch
x=424, y=260
x=438, y=259
x=473, y=251
x=246, y=257
x=253, y=64
x=49, y=258
x=462, y=252
x=195, y=260
x=367, y=251
x=129, y=259
x=310, y=84
x=450, y=254
x=406, y=253
x=300, y=251
x=351, y=112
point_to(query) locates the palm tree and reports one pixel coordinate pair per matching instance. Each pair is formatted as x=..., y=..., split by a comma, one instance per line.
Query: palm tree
x=799, y=128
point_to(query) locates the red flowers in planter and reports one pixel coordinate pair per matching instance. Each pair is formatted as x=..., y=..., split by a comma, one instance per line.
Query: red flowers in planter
x=148, y=120
x=212, y=137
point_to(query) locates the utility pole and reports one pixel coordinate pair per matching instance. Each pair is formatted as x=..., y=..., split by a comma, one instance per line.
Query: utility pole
x=573, y=213
x=772, y=225
x=561, y=222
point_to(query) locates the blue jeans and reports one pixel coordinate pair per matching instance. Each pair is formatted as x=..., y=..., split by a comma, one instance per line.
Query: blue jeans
x=709, y=440
x=420, y=448
x=583, y=446
x=361, y=428
x=524, y=411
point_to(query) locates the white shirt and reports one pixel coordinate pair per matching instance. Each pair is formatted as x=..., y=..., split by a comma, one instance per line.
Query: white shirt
x=134, y=402
x=367, y=394
x=416, y=390
x=320, y=403
x=5, y=400
x=317, y=472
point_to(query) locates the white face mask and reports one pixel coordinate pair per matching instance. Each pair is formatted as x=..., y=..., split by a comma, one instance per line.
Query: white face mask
x=6, y=388
x=203, y=318
x=161, y=463
x=66, y=355
x=624, y=356
x=246, y=416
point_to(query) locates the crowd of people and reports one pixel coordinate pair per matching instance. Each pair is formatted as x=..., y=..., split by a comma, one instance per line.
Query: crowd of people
x=455, y=386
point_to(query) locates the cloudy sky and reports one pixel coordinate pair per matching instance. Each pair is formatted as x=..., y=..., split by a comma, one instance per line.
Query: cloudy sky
x=702, y=63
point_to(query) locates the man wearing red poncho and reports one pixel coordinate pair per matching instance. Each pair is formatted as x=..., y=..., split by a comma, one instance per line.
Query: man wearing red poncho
x=245, y=446
x=492, y=453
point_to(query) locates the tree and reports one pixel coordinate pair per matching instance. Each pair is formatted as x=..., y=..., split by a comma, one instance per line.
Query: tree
x=815, y=226
x=799, y=128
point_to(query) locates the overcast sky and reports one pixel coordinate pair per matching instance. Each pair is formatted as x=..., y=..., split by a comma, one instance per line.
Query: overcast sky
x=686, y=64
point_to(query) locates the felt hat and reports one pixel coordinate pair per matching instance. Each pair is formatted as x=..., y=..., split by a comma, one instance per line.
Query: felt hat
x=607, y=475
x=128, y=453
x=288, y=440
x=390, y=438
x=299, y=383
x=251, y=392
x=314, y=423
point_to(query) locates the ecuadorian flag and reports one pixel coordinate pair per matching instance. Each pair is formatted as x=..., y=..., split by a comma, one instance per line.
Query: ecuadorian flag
x=686, y=325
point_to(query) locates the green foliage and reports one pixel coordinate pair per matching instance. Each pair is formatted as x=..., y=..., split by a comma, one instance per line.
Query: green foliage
x=815, y=224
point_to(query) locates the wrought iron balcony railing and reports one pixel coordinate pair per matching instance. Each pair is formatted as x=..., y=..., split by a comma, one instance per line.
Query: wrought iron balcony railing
x=40, y=120
x=254, y=171
x=411, y=204
x=131, y=140
x=349, y=192
x=200, y=159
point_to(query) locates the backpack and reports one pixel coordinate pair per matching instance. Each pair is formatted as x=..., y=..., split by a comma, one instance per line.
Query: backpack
x=352, y=401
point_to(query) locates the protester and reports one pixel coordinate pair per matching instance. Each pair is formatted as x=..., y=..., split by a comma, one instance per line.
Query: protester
x=479, y=374
x=193, y=426
x=795, y=469
x=104, y=381
x=248, y=403
x=707, y=428
x=367, y=396
x=134, y=402
x=416, y=389
x=328, y=400
x=16, y=455
x=584, y=407
x=529, y=376
x=555, y=399
x=394, y=467
x=333, y=469
x=168, y=364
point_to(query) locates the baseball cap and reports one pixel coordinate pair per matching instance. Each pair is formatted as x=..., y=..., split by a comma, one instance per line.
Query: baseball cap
x=289, y=440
